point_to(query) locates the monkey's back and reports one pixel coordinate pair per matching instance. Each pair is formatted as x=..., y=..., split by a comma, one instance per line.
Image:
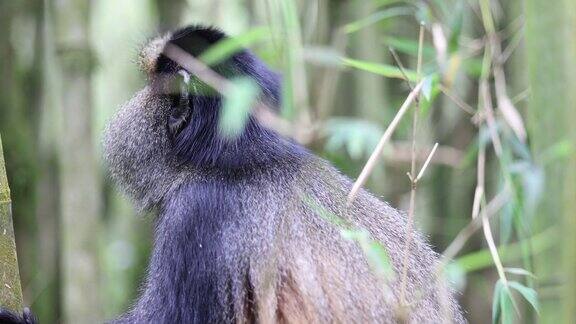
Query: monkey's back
x=253, y=247
x=302, y=269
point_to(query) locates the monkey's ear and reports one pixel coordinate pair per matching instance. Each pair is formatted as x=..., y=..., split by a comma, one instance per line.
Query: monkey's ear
x=193, y=39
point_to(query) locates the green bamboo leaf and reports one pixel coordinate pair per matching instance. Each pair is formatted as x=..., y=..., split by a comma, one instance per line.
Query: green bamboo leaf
x=375, y=253
x=427, y=86
x=558, y=151
x=379, y=259
x=506, y=306
x=359, y=137
x=386, y=70
x=496, y=301
x=502, y=304
x=456, y=29
x=227, y=47
x=323, y=212
x=237, y=105
x=528, y=293
x=455, y=276
x=376, y=17
x=408, y=46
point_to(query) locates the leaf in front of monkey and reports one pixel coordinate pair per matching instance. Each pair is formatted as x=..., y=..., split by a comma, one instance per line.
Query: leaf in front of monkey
x=375, y=253
x=228, y=47
x=455, y=275
x=236, y=107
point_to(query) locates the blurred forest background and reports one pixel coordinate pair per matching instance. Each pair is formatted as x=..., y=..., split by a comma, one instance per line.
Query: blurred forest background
x=498, y=85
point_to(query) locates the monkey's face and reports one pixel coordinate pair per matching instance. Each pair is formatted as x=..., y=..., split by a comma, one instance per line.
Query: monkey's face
x=169, y=131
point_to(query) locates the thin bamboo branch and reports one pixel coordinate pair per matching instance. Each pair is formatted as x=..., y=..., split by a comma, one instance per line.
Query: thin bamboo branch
x=411, y=209
x=380, y=147
x=459, y=102
x=446, y=155
x=464, y=235
x=491, y=210
x=421, y=173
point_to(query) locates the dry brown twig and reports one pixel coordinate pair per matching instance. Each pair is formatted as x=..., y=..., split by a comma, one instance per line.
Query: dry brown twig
x=380, y=147
x=400, y=152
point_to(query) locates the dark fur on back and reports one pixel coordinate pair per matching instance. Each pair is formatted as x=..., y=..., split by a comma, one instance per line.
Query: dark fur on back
x=234, y=241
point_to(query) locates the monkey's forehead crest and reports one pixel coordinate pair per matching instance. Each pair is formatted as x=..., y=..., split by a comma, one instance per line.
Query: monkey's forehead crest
x=193, y=39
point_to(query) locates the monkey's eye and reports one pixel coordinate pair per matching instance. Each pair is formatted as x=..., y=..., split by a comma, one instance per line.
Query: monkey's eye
x=181, y=108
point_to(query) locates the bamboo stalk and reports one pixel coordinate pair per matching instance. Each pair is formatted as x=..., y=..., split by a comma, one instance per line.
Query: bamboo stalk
x=10, y=289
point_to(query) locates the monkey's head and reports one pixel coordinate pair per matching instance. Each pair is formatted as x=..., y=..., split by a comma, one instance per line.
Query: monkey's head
x=169, y=131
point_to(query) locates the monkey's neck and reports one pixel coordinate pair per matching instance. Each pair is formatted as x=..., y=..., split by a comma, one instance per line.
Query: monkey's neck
x=186, y=270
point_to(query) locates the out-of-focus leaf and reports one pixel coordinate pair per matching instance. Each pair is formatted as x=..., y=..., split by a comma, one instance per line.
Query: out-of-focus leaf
x=423, y=13
x=323, y=212
x=455, y=275
x=228, y=47
x=378, y=258
x=519, y=148
x=358, y=137
x=473, y=67
x=502, y=304
x=375, y=253
x=322, y=55
x=237, y=105
x=456, y=28
x=557, y=151
x=376, y=17
x=496, y=301
x=507, y=221
x=427, y=86
x=386, y=70
x=380, y=3
x=408, y=46
x=430, y=91
x=470, y=155
x=506, y=307
x=533, y=183
x=520, y=272
x=482, y=259
x=528, y=293
x=532, y=178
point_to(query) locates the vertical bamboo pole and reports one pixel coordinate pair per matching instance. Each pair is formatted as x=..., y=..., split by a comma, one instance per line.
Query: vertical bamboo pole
x=10, y=289
x=80, y=194
x=551, y=68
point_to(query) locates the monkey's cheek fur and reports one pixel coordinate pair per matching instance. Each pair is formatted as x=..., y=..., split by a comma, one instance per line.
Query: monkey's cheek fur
x=136, y=148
